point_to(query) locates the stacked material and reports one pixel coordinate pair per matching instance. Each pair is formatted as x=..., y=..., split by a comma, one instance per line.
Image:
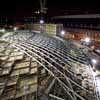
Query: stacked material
x=17, y=74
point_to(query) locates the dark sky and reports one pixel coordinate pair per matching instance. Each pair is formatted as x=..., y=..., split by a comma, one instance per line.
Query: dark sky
x=21, y=8
x=60, y=7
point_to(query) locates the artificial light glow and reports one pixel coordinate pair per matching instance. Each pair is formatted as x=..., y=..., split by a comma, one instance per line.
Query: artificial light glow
x=2, y=30
x=98, y=51
x=87, y=39
x=37, y=12
x=62, y=32
x=15, y=28
x=41, y=21
x=94, y=61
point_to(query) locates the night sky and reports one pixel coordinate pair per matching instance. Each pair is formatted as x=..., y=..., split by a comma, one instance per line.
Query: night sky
x=20, y=8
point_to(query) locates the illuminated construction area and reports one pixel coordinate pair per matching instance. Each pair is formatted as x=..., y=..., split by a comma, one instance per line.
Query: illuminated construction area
x=36, y=66
x=18, y=74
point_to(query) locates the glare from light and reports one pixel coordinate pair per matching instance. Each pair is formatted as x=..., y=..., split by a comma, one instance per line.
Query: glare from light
x=41, y=21
x=98, y=51
x=62, y=32
x=15, y=28
x=37, y=12
x=2, y=30
x=87, y=39
x=94, y=61
x=10, y=26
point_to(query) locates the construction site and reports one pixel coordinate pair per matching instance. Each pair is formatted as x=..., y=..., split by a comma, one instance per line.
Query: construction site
x=36, y=66
x=45, y=51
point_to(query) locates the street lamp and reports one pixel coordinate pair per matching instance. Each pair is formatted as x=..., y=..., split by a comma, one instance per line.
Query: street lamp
x=41, y=26
x=62, y=32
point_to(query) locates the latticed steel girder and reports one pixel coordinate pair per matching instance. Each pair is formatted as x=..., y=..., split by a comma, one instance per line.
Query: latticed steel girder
x=56, y=57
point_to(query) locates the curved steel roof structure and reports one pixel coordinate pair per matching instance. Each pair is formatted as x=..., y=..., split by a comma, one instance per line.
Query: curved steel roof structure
x=60, y=58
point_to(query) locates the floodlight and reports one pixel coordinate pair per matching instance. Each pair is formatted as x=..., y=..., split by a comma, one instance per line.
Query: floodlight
x=94, y=61
x=41, y=21
x=62, y=32
x=87, y=40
